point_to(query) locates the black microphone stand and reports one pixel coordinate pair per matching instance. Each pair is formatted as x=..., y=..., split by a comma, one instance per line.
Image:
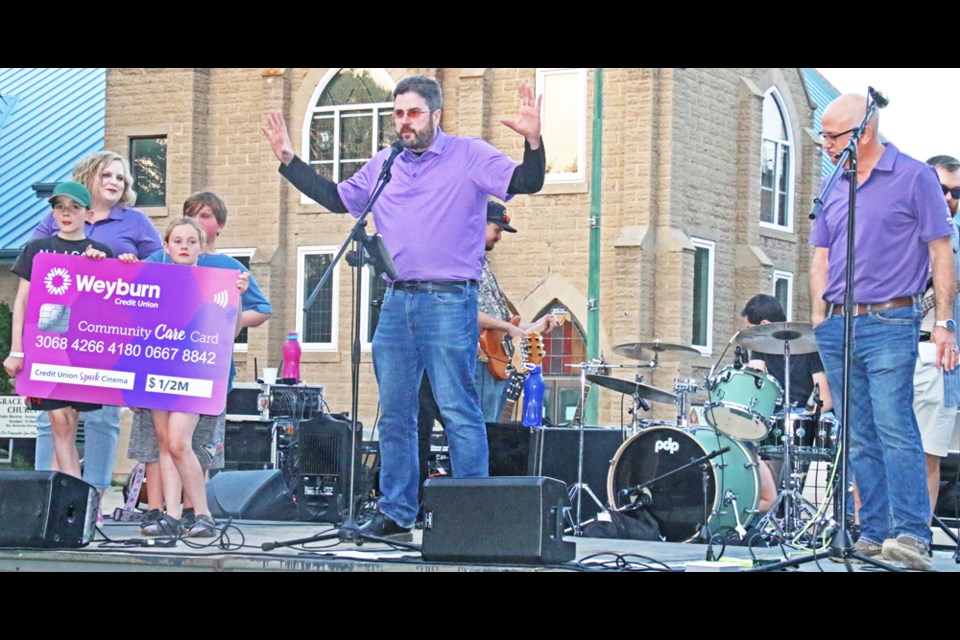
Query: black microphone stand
x=366, y=250
x=841, y=545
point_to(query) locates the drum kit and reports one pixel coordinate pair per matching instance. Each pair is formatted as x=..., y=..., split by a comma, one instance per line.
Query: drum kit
x=699, y=480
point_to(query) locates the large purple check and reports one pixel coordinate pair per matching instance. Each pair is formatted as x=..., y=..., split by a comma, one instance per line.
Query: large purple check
x=157, y=336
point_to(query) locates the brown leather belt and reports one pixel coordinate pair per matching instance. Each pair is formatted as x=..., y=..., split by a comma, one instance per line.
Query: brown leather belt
x=864, y=309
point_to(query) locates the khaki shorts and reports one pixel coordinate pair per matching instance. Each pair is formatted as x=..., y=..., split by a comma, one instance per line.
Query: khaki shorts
x=935, y=420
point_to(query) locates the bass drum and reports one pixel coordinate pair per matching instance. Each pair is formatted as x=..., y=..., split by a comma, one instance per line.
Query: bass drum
x=676, y=501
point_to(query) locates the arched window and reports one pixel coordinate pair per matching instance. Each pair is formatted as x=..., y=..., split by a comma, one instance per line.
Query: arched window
x=776, y=164
x=564, y=345
x=349, y=122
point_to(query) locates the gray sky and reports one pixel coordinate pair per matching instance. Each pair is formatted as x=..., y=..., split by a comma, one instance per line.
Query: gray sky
x=923, y=117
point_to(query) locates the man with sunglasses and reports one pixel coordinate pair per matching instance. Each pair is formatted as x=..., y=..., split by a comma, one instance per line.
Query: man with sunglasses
x=937, y=392
x=432, y=216
x=902, y=230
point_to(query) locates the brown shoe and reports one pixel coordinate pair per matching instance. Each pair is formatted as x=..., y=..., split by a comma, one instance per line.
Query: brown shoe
x=910, y=551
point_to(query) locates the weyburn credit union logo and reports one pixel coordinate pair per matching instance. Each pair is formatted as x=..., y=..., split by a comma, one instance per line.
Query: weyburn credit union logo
x=57, y=281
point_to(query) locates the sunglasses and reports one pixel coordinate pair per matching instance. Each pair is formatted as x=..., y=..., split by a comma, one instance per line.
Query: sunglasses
x=413, y=114
x=954, y=192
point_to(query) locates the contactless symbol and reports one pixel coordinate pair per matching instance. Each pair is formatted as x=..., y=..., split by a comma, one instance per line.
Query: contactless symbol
x=57, y=281
x=221, y=298
x=54, y=318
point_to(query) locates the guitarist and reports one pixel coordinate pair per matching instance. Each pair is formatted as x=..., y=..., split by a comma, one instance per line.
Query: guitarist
x=936, y=392
x=495, y=313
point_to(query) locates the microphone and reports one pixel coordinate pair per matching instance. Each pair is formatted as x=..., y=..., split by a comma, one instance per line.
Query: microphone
x=644, y=496
x=395, y=150
x=643, y=404
x=714, y=454
x=880, y=99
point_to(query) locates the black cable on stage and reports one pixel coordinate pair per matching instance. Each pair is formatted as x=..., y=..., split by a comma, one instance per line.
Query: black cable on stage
x=622, y=562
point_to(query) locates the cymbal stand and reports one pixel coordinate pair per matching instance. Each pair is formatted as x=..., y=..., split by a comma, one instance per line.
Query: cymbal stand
x=638, y=404
x=682, y=387
x=789, y=495
x=577, y=490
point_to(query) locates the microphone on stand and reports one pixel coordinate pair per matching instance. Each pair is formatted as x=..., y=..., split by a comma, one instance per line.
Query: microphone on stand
x=878, y=98
x=714, y=454
x=395, y=149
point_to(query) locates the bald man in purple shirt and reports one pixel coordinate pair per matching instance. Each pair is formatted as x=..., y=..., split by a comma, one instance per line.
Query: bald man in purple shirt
x=902, y=231
x=432, y=216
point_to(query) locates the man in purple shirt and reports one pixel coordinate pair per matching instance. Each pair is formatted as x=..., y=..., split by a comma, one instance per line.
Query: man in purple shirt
x=432, y=216
x=902, y=230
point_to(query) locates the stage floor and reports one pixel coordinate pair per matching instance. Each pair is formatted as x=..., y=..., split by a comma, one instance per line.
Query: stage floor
x=241, y=550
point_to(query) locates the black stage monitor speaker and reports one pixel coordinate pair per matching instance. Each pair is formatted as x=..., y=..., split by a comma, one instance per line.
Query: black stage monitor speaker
x=515, y=451
x=46, y=509
x=511, y=520
x=318, y=466
x=252, y=495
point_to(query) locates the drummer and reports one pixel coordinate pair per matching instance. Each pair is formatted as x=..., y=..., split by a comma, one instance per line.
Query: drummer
x=808, y=382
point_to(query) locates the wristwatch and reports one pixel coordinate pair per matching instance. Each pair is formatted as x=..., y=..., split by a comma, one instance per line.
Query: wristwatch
x=947, y=324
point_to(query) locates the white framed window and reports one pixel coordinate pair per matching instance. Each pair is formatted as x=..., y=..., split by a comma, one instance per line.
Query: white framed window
x=703, y=281
x=350, y=120
x=563, y=116
x=317, y=327
x=371, y=297
x=148, y=164
x=783, y=291
x=243, y=256
x=777, y=164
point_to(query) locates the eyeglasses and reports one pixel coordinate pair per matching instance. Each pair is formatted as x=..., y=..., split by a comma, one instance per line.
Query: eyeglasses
x=413, y=114
x=954, y=192
x=73, y=208
x=831, y=138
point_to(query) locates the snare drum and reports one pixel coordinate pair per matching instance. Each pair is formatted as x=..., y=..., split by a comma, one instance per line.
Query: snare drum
x=677, y=501
x=812, y=439
x=742, y=402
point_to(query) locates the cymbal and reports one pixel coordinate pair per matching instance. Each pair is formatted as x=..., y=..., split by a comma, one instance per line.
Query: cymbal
x=770, y=338
x=651, y=350
x=629, y=387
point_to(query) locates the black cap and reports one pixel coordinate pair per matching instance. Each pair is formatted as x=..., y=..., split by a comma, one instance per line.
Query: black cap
x=497, y=214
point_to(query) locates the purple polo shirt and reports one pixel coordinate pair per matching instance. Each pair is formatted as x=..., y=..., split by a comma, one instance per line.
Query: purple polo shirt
x=900, y=208
x=433, y=212
x=124, y=230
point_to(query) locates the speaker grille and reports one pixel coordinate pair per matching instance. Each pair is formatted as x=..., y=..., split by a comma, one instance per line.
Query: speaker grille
x=321, y=454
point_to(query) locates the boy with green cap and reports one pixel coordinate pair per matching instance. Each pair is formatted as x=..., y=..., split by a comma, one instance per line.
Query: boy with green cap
x=71, y=202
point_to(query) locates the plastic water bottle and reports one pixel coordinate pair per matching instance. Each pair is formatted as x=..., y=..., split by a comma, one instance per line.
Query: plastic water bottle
x=533, y=398
x=291, y=357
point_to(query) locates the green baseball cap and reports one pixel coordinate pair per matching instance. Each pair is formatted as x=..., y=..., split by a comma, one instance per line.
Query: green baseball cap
x=73, y=190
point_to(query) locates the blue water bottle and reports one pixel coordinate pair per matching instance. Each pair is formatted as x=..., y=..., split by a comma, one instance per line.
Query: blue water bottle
x=533, y=398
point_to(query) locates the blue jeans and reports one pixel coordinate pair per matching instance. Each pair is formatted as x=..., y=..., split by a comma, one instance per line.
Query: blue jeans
x=436, y=332
x=100, y=429
x=491, y=392
x=886, y=454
